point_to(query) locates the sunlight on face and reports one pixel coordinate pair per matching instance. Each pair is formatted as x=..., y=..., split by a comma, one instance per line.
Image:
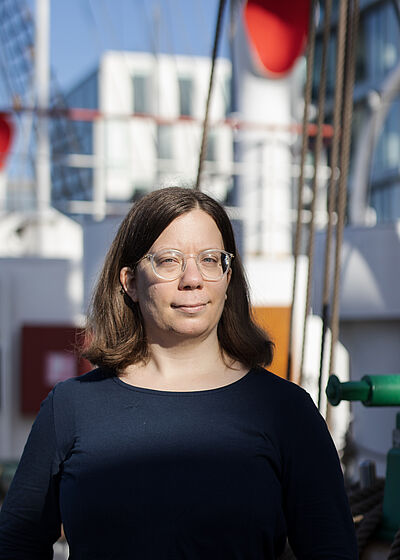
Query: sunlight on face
x=188, y=306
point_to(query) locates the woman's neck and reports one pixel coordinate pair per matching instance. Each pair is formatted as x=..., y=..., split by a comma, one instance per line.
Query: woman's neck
x=185, y=366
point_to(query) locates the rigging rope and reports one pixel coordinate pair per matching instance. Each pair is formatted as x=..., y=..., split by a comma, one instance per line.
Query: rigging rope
x=297, y=239
x=368, y=526
x=362, y=494
x=366, y=509
x=205, y=124
x=394, y=553
x=317, y=153
x=366, y=504
x=344, y=166
x=337, y=115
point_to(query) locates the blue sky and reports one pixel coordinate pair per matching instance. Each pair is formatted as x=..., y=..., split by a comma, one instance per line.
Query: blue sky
x=82, y=29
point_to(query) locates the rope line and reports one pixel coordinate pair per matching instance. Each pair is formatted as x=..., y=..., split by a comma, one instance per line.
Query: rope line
x=297, y=239
x=205, y=125
x=314, y=188
x=366, y=503
x=368, y=526
x=344, y=166
x=337, y=115
x=328, y=6
x=364, y=493
x=394, y=553
x=366, y=508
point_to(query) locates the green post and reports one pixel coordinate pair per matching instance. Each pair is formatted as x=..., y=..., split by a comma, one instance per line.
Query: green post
x=391, y=500
x=349, y=391
x=371, y=390
x=377, y=390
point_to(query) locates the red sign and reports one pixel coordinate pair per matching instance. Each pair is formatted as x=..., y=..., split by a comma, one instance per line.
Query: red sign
x=48, y=355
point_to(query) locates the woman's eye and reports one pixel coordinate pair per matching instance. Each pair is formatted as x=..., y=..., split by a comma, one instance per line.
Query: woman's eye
x=168, y=259
x=210, y=259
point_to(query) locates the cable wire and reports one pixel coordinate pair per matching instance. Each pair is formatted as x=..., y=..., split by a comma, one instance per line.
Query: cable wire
x=344, y=167
x=305, y=135
x=317, y=154
x=203, y=146
x=337, y=116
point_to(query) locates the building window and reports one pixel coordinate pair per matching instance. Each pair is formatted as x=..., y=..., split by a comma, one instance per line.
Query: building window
x=185, y=96
x=361, y=52
x=386, y=155
x=227, y=91
x=164, y=141
x=211, y=151
x=141, y=94
x=383, y=40
x=386, y=202
x=360, y=116
x=330, y=66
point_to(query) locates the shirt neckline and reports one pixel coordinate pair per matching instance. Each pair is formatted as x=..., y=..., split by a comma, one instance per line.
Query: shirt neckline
x=161, y=392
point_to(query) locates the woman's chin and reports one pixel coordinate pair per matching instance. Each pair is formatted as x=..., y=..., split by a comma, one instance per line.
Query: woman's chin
x=177, y=334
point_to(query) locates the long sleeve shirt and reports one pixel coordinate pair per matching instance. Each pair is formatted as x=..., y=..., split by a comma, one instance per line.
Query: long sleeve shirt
x=136, y=473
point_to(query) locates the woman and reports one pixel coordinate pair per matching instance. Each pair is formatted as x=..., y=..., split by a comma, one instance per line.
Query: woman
x=180, y=445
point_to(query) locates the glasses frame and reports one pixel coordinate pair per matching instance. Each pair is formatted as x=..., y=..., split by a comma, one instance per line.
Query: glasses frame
x=185, y=256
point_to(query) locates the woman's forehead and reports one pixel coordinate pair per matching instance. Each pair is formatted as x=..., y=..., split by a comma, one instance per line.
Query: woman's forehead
x=194, y=228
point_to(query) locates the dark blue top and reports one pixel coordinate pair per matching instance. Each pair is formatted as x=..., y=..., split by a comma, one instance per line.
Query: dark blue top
x=135, y=473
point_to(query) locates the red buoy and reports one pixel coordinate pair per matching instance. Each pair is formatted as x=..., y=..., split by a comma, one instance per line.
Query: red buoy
x=6, y=136
x=277, y=30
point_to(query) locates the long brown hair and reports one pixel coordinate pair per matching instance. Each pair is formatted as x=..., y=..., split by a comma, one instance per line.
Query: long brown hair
x=115, y=334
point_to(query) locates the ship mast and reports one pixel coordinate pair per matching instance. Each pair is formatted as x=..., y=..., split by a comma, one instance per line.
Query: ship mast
x=42, y=89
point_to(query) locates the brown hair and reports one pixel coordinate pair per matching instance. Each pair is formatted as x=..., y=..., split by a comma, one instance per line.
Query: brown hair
x=115, y=335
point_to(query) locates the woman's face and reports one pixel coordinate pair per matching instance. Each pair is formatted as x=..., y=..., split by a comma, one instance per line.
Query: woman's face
x=188, y=307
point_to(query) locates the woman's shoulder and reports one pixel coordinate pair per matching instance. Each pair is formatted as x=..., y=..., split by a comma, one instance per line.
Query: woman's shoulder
x=277, y=386
x=282, y=398
x=73, y=399
x=89, y=382
x=289, y=409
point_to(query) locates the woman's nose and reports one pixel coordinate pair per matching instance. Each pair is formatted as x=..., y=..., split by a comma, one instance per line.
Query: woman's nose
x=191, y=278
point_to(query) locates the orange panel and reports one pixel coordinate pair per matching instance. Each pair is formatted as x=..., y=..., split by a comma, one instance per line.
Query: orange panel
x=276, y=321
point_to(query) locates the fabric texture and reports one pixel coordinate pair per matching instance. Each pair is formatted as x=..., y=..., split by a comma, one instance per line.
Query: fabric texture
x=135, y=473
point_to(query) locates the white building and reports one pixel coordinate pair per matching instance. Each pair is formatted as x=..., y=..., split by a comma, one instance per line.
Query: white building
x=148, y=131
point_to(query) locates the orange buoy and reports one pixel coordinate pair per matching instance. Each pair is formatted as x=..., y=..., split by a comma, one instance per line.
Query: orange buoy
x=277, y=31
x=6, y=136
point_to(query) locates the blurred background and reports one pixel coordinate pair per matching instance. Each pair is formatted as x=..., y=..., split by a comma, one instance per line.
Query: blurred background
x=102, y=102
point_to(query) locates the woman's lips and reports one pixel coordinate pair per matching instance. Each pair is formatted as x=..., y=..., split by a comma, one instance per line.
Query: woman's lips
x=189, y=307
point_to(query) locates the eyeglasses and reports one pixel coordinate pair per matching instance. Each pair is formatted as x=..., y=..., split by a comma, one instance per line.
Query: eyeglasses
x=170, y=264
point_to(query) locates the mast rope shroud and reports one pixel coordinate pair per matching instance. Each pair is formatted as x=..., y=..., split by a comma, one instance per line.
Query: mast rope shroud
x=317, y=154
x=203, y=146
x=297, y=240
x=332, y=186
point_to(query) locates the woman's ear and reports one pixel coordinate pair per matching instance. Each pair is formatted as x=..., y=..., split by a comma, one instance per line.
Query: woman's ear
x=128, y=282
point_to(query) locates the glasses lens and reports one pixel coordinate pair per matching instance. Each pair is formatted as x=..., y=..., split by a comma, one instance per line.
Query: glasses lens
x=168, y=264
x=214, y=264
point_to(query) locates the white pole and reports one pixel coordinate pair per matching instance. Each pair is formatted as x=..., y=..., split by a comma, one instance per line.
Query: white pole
x=42, y=82
x=6, y=390
x=267, y=101
x=3, y=191
x=100, y=170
